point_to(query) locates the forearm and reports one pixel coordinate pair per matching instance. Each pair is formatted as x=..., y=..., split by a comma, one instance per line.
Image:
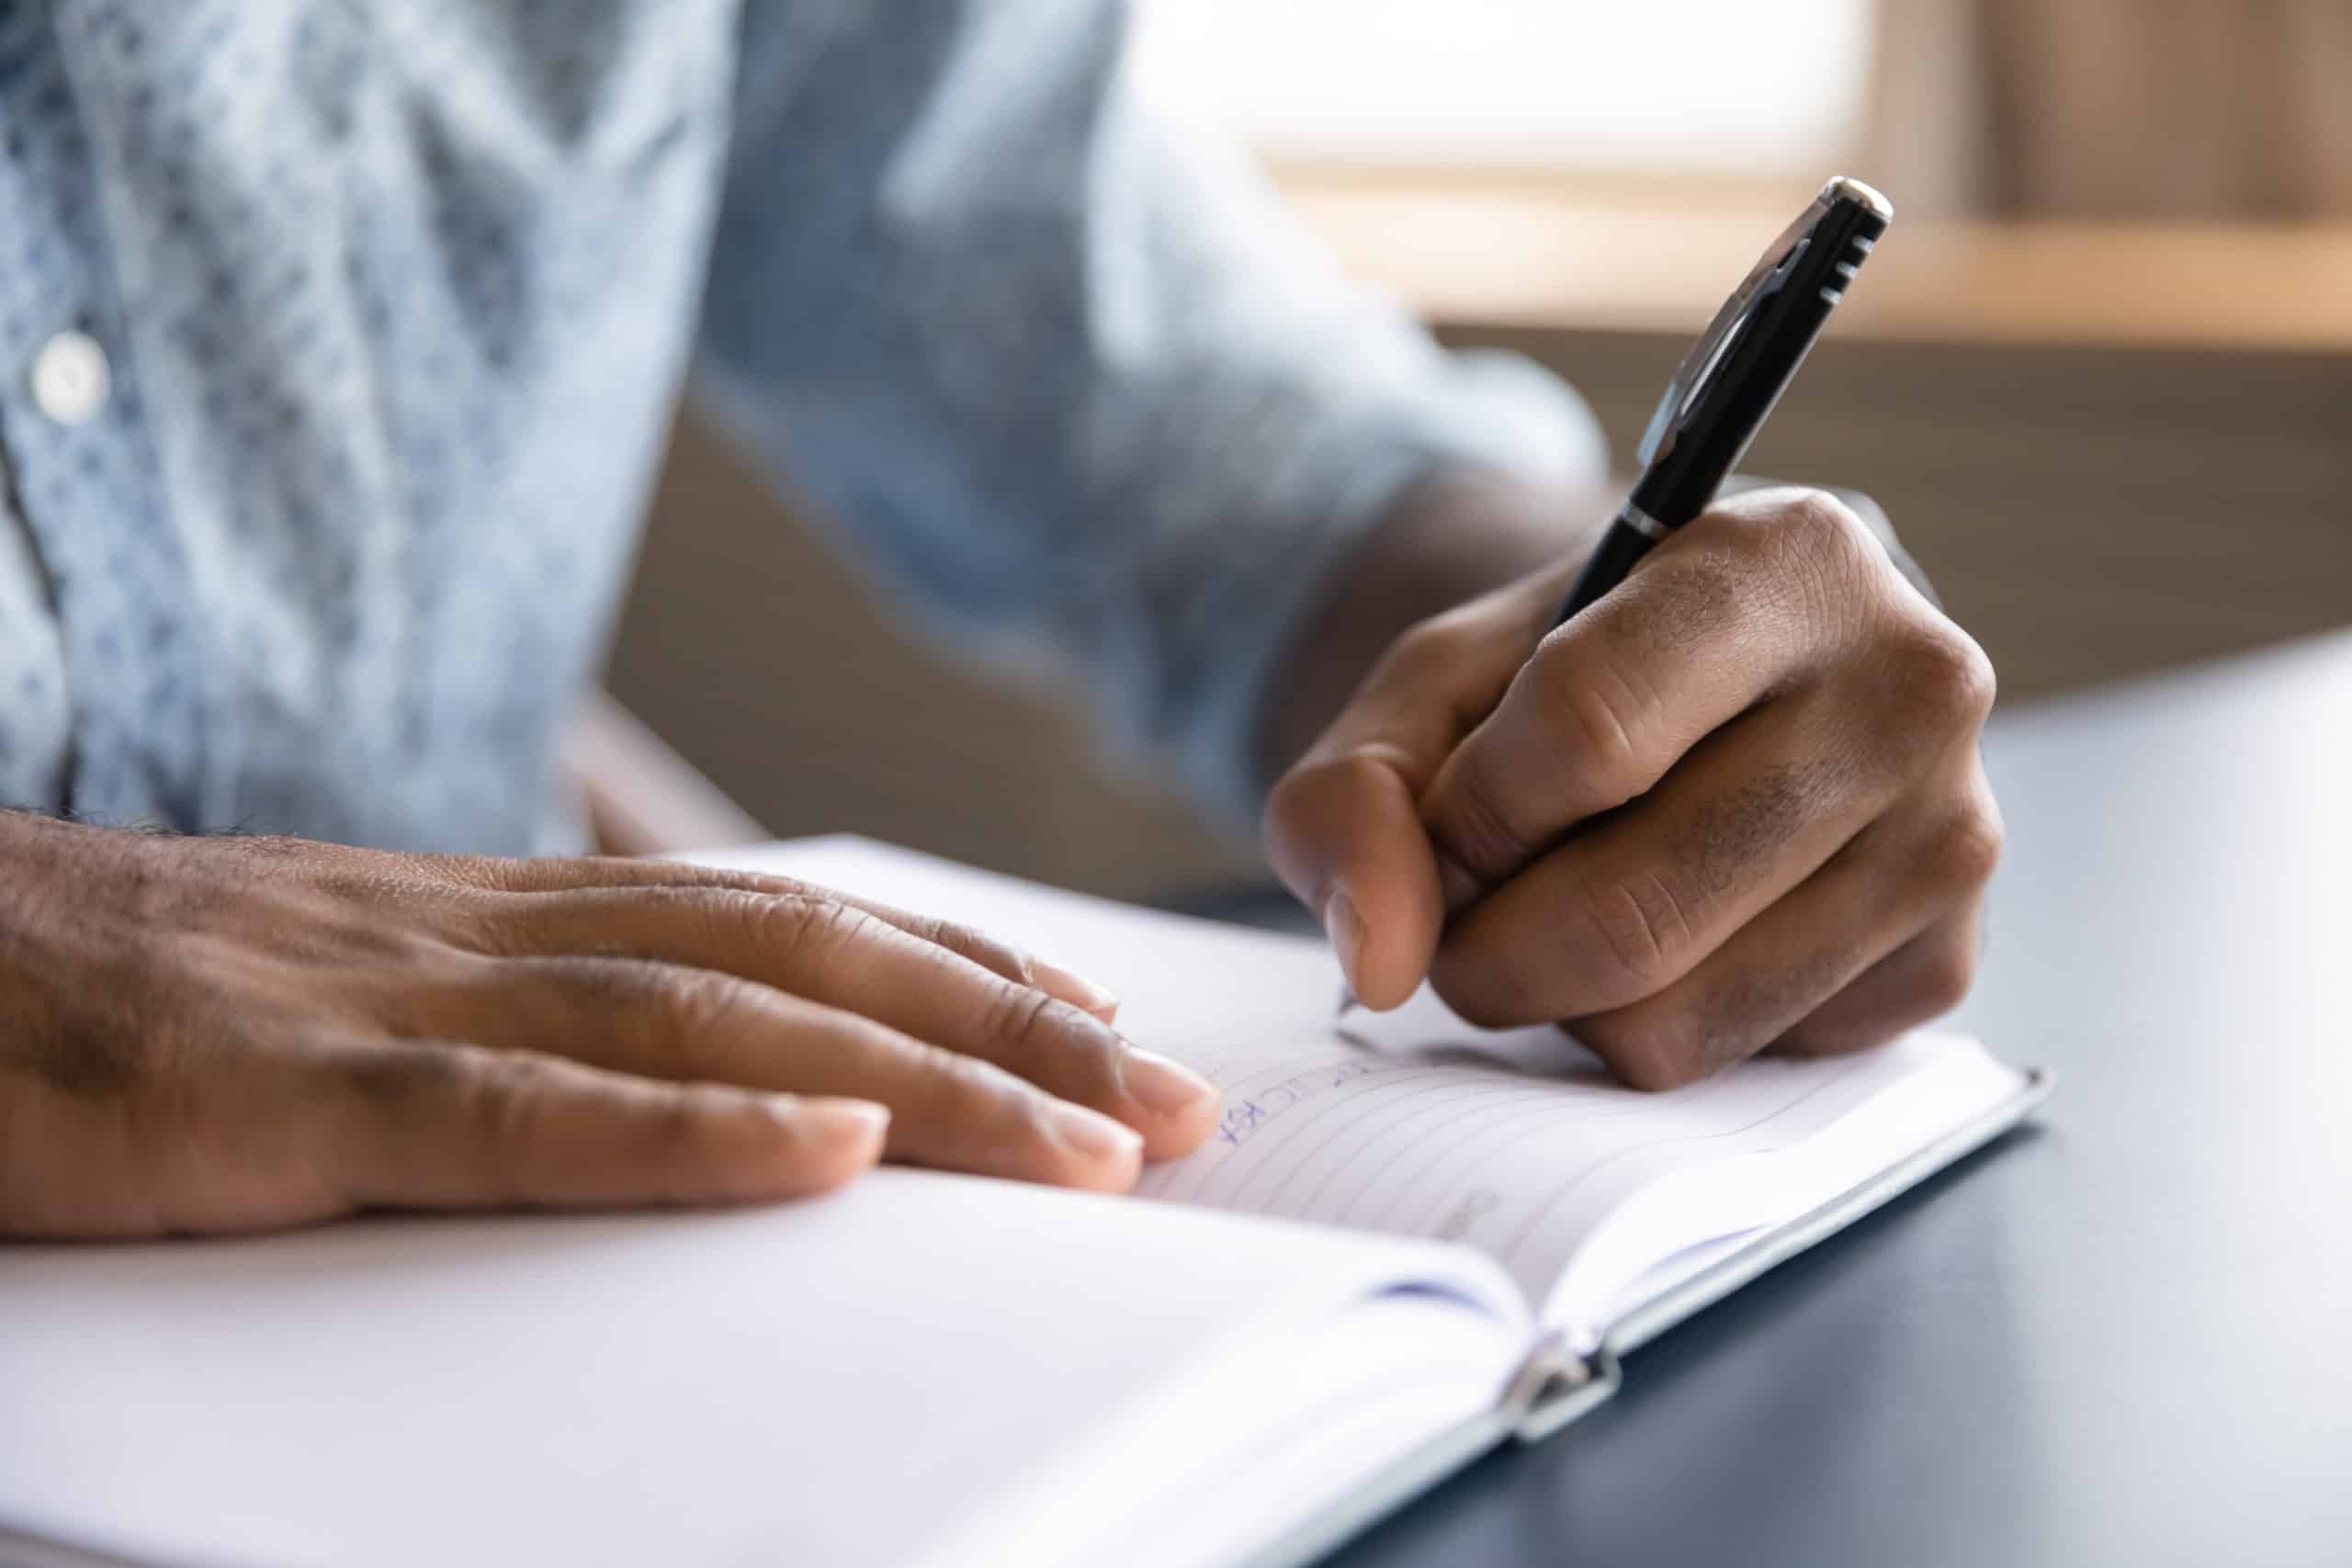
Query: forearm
x=1448, y=539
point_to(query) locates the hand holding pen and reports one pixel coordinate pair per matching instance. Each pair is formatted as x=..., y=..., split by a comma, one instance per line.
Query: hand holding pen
x=1728, y=802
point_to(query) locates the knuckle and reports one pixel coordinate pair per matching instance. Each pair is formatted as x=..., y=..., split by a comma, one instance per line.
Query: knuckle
x=318, y=929
x=1602, y=714
x=1470, y=644
x=1944, y=977
x=696, y=1004
x=107, y=1029
x=1478, y=828
x=819, y=930
x=1821, y=526
x=403, y=1083
x=1471, y=650
x=1866, y=509
x=463, y=1110
x=86, y=1061
x=1588, y=719
x=1966, y=848
x=661, y=1006
x=1425, y=650
x=978, y=947
x=1615, y=944
x=1947, y=676
x=963, y=1096
x=1286, y=811
x=1636, y=927
x=1478, y=1001
x=1353, y=778
x=763, y=884
x=473, y=874
x=1657, y=1052
x=764, y=915
x=682, y=1133
x=486, y=924
x=1808, y=543
x=613, y=985
x=500, y=1090
x=1033, y=1030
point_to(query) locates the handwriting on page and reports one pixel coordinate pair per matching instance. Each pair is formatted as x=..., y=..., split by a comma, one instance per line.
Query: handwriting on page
x=1245, y=1114
x=1478, y=1201
x=1519, y=1164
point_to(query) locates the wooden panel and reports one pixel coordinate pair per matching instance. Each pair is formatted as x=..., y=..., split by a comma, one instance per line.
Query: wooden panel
x=2088, y=513
x=1543, y=252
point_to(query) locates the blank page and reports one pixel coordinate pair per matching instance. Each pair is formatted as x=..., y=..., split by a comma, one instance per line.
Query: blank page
x=867, y=1379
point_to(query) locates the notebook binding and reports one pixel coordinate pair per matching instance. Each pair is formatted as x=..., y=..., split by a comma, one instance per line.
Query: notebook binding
x=1558, y=1382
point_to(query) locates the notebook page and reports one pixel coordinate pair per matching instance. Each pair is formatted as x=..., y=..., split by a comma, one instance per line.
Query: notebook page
x=1529, y=1168
x=1518, y=1143
x=856, y=1381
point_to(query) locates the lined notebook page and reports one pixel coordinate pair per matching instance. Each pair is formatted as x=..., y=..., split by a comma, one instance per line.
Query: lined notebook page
x=1413, y=1123
x=1524, y=1168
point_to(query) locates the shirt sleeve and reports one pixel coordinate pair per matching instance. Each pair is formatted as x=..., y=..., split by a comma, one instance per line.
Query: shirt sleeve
x=1062, y=367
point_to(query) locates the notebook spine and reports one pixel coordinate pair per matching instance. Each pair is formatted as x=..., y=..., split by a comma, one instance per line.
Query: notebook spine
x=1558, y=1382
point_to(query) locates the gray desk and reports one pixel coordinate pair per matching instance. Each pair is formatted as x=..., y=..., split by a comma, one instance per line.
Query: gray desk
x=2124, y=1337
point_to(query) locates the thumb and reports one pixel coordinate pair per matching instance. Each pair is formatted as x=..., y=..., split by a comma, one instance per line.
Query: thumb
x=1344, y=829
x=1346, y=838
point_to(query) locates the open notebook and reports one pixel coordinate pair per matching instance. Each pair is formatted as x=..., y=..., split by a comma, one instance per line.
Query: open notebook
x=1404, y=1246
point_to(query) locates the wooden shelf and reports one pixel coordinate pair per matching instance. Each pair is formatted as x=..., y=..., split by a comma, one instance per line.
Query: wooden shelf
x=1529, y=253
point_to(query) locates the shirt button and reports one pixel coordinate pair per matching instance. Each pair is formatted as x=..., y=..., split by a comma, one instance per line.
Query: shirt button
x=71, y=379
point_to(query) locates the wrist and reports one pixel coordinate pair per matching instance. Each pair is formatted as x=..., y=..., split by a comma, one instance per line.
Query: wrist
x=1446, y=539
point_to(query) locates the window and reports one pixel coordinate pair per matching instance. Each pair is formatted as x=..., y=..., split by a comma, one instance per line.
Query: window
x=1762, y=88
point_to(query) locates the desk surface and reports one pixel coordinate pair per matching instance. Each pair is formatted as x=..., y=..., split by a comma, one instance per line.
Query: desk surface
x=2122, y=1336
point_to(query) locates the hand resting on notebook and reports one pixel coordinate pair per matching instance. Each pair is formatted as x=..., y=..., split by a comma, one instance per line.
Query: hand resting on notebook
x=1737, y=803
x=211, y=1034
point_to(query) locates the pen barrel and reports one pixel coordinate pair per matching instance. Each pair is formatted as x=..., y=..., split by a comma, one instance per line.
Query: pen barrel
x=1621, y=547
x=1683, y=480
x=1701, y=433
x=1739, y=394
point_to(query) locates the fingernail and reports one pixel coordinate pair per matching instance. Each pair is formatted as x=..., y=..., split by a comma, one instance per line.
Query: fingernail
x=1161, y=1085
x=1094, y=1134
x=1075, y=990
x=837, y=1121
x=1345, y=928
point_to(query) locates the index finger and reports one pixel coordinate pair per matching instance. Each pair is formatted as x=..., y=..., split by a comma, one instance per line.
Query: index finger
x=574, y=873
x=847, y=957
x=1713, y=621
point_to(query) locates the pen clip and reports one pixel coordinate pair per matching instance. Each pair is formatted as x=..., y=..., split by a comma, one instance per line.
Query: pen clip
x=1715, y=344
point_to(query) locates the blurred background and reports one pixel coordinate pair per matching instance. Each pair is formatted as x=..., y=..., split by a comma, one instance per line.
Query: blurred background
x=2100, y=374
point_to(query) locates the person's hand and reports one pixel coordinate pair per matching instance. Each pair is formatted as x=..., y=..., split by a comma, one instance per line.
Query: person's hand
x=1737, y=804
x=214, y=1034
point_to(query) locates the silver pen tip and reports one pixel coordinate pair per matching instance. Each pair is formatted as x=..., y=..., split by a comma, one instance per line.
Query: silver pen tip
x=1852, y=189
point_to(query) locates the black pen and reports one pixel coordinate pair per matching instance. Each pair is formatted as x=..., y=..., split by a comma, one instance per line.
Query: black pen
x=1726, y=389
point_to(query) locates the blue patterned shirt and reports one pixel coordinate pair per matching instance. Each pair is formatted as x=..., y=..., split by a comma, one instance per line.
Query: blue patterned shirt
x=338, y=340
